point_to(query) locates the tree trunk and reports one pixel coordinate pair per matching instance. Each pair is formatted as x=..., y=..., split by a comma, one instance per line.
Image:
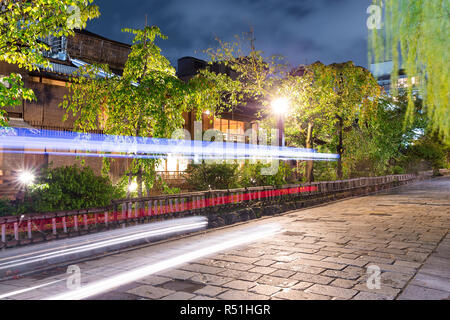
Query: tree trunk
x=128, y=186
x=340, y=147
x=309, y=169
x=139, y=182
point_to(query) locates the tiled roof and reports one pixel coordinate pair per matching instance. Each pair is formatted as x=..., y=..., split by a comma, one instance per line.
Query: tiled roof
x=61, y=68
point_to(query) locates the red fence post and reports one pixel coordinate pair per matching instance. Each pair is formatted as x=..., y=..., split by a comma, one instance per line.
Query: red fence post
x=4, y=233
x=106, y=218
x=29, y=229
x=16, y=231
x=64, y=222
x=54, y=226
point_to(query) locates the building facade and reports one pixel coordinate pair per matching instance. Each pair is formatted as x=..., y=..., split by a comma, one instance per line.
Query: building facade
x=50, y=87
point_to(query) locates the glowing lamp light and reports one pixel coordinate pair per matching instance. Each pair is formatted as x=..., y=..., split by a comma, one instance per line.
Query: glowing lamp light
x=280, y=106
x=132, y=187
x=26, y=178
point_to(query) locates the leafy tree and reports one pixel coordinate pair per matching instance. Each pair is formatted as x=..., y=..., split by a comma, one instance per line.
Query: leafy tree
x=148, y=100
x=385, y=138
x=308, y=122
x=69, y=188
x=330, y=99
x=430, y=148
x=253, y=75
x=417, y=33
x=23, y=25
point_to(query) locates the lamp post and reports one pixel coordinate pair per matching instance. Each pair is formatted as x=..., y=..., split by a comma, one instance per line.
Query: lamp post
x=280, y=107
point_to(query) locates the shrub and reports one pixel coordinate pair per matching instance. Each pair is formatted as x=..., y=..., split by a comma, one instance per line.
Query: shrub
x=6, y=207
x=69, y=188
x=250, y=175
x=212, y=176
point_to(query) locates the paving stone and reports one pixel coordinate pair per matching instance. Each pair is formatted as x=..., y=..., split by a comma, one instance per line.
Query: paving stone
x=263, y=270
x=281, y=258
x=351, y=262
x=291, y=294
x=210, y=291
x=349, y=275
x=240, y=284
x=400, y=269
x=265, y=289
x=203, y=298
x=179, y=296
x=371, y=296
x=309, y=256
x=374, y=260
x=202, y=268
x=241, y=275
x=282, y=273
x=154, y=280
x=321, y=264
x=431, y=282
x=241, y=295
x=238, y=259
x=332, y=291
x=241, y=266
x=150, y=292
x=178, y=274
x=264, y=263
x=349, y=256
x=277, y=281
x=343, y=283
x=408, y=264
x=211, y=279
x=384, y=290
x=294, y=266
x=302, y=285
x=413, y=292
x=312, y=278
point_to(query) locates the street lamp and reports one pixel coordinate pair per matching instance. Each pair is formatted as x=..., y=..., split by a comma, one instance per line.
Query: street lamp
x=26, y=178
x=280, y=107
x=132, y=187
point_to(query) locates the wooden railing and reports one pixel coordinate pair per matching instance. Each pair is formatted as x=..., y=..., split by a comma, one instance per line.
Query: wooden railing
x=18, y=230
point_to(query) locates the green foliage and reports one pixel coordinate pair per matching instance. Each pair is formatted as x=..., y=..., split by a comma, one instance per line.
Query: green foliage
x=23, y=25
x=11, y=94
x=416, y=33
x=212, y=176
x=250, y=175
x=431, y=149
x=228, y=176
x=147, y=101
x=252, y=75
x=69, y=188
x=328, y=100
x=385, y=138
x=6, y=207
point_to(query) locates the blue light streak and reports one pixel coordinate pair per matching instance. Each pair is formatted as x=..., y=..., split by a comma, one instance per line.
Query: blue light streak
x=101, y=145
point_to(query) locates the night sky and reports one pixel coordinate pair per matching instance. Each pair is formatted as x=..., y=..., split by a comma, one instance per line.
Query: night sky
x=303, y=31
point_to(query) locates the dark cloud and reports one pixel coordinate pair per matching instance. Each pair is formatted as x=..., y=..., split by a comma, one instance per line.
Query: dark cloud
x=301, y=30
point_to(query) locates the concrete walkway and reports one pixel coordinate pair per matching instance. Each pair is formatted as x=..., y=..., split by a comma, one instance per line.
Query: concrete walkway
x=393, y=245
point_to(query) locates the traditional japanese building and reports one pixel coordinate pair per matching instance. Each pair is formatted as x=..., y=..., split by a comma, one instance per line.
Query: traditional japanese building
x=50, y=87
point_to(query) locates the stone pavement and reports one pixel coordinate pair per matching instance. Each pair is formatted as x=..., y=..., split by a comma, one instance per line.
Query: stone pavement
x=332, y=251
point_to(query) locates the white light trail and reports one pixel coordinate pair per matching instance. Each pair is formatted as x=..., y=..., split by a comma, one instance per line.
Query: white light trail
x=184, y=225
x=134, y=275
x=14, y=293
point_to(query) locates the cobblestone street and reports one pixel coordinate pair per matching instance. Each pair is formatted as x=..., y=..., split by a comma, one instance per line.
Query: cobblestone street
x=322, y=253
